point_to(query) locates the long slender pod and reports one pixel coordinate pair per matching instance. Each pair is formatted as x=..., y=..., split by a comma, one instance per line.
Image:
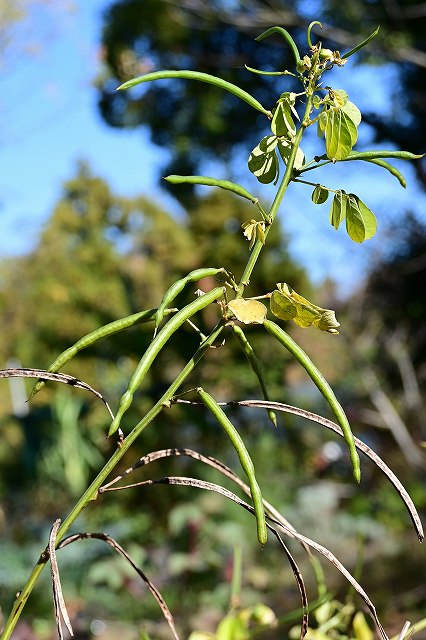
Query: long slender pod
x=392, y=170
x=245, y=460
x=178, y=286
x=322, y=385
x=213, y=182
x=155, y=347
x=361, y=44
x=369, y=156
x=285, y=34
x=255, y=365
x=202, y=77
x=94, y=336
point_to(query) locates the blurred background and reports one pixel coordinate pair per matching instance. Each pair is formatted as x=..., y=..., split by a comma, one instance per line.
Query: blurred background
x=89, y=232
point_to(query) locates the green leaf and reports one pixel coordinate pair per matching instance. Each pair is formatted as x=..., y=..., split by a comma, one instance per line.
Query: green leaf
x=322, y=123
x=340, y=97
x=319, y=194
x=282, y=121
x=264, y=165
x=285, y=148
x=361, y=223
x=316, y=101
x=202, y=77
x=338, y=209
x=352, y=112
x=340, y=134
x=248, y=311
x=268, y=144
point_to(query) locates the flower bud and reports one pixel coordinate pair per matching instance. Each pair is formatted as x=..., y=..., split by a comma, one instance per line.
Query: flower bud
x=326, y=54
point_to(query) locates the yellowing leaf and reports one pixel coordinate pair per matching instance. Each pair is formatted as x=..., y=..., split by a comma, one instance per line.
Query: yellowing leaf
x=282, y=306
x=286, y=304
x=252, y=229
x=327, y=322
x=248, y=311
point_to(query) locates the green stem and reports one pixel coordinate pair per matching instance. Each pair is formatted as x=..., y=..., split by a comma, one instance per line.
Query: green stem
x=288, y=176
x=92, y=491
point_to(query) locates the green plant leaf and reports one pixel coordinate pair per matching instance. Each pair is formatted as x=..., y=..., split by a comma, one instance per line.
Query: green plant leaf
x=322, y=123
x=285, y=147
x=319, y=194
x=338, y=209
x=339, y=97
x=268, y=144
x=202, y=77
x=352, y=112
x=282, y=121
x=340, y=134
x=361, y=223
x=248, y=311
x=264, y=165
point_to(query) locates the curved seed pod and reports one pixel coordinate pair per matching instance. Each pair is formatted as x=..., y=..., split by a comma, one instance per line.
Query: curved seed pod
x=385, y=165
x=213, y=182
x=255, y=365
x=308, y=33
x=285, y=34
x=245, y=459
x=361, y=44
x=94, y=336
x=178, y=286
x=155, y=347
x=322, y=385
x=268, y=73
x=202, y=77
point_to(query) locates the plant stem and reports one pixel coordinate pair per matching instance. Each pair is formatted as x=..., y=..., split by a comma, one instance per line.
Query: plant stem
x=287, y=178
x=92, y=491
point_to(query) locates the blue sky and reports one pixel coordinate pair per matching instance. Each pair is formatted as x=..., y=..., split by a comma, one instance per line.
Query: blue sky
x=49, y=121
